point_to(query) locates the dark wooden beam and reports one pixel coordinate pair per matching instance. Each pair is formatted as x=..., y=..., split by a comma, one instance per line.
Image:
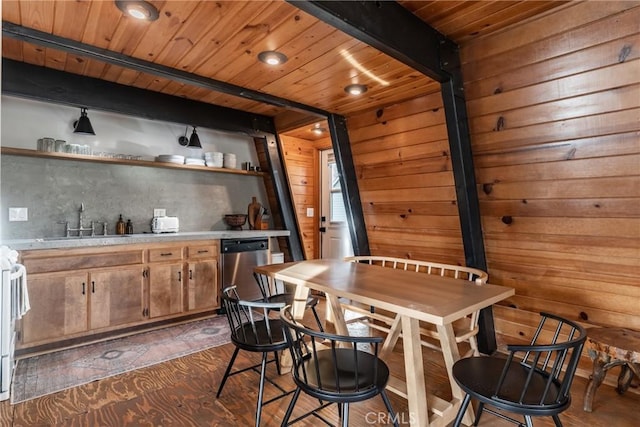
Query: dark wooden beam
x=388, y=27
x=46, y=84
x=272, y=148
x=41, y=38
x=395, y=31
x=467, y=200
x=349, y=184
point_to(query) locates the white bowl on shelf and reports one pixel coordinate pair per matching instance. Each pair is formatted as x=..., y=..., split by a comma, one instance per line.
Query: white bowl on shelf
x=192, y=161
x=229, y=161
x=170, y=158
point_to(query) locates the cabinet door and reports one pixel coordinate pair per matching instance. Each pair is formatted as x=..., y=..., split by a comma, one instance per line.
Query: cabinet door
x=203, y=285
x=116, y=297
x=58, y=306
x=165, y=289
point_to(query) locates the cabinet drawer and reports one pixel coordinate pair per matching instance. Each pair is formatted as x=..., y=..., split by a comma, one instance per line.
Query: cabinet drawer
x=202, y=251
x=166, y=254
x=78, y=261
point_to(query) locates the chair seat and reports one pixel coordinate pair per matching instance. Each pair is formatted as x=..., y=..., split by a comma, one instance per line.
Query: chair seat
x=323, y=380
x=259, y=341
x=288, y=298
x=479, y=376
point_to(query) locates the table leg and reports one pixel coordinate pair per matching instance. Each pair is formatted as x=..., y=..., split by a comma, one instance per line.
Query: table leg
x=451, y=356
x=392, y=338
x=338, y=315
x=596, y=378
x=414, y=370
x=297, y=311
x=627, y=372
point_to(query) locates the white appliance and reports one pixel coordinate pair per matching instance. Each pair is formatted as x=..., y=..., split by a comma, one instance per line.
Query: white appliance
x=165, y=224
x=11, y=308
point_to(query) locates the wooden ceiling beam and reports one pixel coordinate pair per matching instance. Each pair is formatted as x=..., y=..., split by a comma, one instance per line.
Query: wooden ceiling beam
x=46, y=84
x=388, y=27
x=395, y=31
x=41, y=38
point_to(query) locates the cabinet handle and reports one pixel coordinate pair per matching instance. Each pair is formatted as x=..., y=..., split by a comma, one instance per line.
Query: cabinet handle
x=166, y=253
x=83, y=288
x=190, y=274
x=203, y=251
x=93, y=287
x=179, y=276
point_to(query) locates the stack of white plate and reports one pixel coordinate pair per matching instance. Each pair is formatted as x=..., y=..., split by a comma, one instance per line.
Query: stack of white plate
x=229, y=161
x=170, y=158
x=194, y=161
x=213, y=159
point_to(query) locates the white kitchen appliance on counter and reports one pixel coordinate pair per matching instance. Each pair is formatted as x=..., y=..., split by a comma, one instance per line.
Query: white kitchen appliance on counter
x=165, y=224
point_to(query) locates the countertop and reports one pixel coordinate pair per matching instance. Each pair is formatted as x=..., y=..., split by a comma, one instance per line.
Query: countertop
x=77, y=242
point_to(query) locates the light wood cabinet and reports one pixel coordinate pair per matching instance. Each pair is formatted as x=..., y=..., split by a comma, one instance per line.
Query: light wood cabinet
x=59, y=306
x=203, y=286
x=76, y=293
x=166, y=284
x=189, y=286
x=203, y=277
x=165, y=289
x=116, y=297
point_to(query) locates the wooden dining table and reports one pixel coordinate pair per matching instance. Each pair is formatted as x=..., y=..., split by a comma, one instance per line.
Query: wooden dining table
x=414, y=297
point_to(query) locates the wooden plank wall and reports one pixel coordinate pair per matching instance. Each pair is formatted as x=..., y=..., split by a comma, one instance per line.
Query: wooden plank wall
x=301, y=163
x=401, y=155
x=554, y=113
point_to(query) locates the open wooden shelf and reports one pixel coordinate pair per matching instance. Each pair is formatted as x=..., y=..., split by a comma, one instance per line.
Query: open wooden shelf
x=95, y=159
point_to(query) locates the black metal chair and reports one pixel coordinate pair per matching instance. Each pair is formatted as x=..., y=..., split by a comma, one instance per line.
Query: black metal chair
x=253, y=330
x=334, y=369
x=534, y=380
x=271, y=294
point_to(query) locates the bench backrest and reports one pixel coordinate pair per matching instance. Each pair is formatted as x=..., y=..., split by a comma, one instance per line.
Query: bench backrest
x=446, y=270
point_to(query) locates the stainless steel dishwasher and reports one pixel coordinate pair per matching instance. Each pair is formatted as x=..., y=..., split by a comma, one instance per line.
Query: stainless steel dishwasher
x=239, y=257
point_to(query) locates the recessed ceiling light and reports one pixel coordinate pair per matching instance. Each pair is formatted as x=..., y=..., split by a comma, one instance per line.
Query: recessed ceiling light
x=138, y=9
x=355, y=89
x=272, y=57
x=318, y=130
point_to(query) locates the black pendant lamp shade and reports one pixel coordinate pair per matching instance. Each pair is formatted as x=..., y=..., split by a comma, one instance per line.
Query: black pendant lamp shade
x=83, y=124
x=192, y=142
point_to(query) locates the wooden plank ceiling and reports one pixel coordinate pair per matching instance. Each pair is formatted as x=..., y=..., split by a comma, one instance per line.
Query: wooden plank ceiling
x=221, y=40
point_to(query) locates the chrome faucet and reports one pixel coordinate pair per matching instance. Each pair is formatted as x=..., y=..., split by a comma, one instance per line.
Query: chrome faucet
x=81, y=227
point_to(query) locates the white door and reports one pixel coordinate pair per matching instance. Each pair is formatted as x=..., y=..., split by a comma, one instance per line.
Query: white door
x=335, y=241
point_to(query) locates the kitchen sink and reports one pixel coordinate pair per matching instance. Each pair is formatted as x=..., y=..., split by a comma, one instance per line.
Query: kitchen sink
x=48, y=239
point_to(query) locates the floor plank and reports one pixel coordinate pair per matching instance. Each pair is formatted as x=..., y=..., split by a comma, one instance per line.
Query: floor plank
x=181, y=392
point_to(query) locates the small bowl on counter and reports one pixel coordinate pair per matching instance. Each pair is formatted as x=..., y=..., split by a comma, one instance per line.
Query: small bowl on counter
x=235, y=221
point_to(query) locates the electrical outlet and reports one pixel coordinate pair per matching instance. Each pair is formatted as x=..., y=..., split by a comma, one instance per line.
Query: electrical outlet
x=18, y=214
x=310, y=212
x=159, y=212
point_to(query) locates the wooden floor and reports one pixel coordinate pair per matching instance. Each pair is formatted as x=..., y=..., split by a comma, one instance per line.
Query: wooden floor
x=181, y=393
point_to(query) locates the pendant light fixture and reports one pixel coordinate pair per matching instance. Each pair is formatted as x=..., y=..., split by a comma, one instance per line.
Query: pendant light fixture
x=192, y=142
x=83, y=124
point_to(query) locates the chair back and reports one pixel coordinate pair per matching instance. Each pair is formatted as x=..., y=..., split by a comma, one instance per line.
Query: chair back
x=446, y=270
x=334, y=368
x=251, y=327
x=268, y=286
x=552, y=356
